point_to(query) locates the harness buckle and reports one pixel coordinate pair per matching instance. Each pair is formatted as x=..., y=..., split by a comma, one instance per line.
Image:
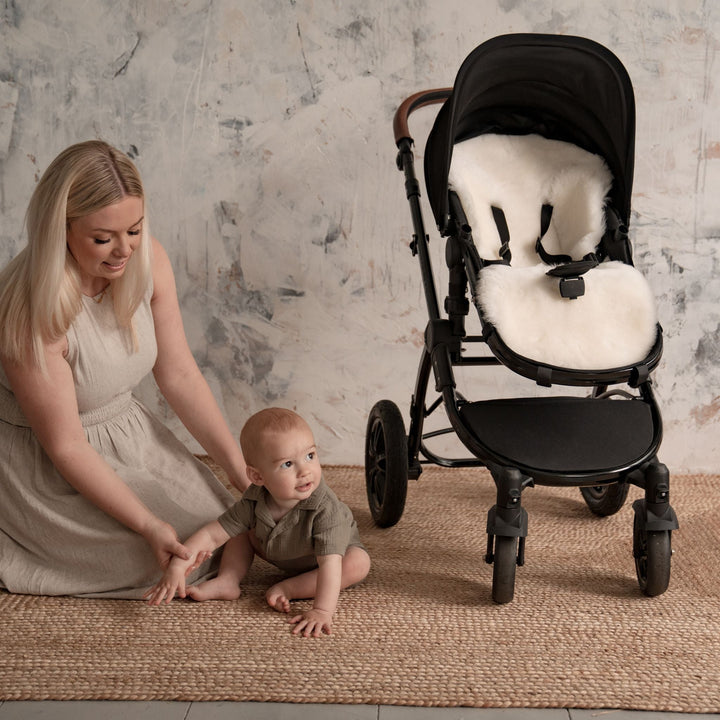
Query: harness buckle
x=572, y=287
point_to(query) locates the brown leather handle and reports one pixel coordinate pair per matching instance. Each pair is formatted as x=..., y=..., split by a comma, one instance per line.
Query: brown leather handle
x=412, y=103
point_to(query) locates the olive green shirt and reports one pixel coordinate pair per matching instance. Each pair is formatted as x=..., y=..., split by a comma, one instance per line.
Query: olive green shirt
x=319, y=525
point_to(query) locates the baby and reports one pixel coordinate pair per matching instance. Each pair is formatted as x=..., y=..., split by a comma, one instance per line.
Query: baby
x=289, y=517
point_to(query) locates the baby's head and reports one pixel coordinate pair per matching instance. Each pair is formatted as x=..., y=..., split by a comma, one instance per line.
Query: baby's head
x=269, y=422
x=280, y=452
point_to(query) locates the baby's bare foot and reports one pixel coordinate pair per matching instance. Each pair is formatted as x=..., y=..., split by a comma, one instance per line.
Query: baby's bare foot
x=218, y=588
x=277, y=598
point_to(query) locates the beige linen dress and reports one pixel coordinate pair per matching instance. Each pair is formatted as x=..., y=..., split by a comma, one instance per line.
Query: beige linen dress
x=52, y=540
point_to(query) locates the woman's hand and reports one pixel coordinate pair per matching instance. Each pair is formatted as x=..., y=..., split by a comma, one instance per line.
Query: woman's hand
x=164, y=542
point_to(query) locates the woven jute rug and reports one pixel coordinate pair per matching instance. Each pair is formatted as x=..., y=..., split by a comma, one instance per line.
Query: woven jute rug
x=422, y=629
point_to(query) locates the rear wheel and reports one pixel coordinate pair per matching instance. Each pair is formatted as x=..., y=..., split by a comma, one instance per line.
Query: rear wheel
x=386, y=463
x=605, y=500
x=653, y=551
x=504, y=564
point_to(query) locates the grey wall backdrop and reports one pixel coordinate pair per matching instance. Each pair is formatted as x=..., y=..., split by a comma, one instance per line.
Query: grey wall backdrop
x=263, y=132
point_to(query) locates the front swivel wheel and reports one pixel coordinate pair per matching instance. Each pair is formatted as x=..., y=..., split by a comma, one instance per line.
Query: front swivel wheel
x=653, y=551
x=504, y=564
x=386, y=463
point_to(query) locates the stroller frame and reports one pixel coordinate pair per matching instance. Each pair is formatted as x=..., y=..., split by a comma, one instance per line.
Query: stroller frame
x=392, y=457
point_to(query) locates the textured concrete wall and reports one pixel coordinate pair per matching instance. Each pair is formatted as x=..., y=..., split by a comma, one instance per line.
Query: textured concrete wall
x=263, y=132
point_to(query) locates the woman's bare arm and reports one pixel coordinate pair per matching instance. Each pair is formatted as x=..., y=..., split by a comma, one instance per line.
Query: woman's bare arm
x=181, y=381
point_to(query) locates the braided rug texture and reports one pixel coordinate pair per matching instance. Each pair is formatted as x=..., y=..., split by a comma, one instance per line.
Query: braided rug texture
x=422, y=629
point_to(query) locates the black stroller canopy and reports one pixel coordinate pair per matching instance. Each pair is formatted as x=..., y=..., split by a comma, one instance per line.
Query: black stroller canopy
x=562, y=87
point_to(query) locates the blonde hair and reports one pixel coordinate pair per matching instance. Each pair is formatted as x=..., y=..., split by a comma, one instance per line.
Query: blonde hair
x=40, y=292
x=270, y=420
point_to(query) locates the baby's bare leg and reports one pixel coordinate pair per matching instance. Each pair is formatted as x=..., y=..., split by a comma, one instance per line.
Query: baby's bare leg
x=236, y=559
x=355, y=567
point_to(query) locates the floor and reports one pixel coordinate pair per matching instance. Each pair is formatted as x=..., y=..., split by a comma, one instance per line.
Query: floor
x=72, y=710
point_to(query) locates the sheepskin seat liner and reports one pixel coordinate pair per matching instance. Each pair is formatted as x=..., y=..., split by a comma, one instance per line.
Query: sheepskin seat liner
x=613, y=324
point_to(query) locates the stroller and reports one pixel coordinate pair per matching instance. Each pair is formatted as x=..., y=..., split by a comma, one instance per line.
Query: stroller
x=528, y=170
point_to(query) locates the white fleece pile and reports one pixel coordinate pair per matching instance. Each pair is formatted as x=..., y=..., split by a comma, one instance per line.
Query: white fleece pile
x=611, y=325
x=521, y=173
x=614, y=323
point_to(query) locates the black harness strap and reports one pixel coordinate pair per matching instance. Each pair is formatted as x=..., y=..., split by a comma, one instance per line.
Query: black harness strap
x=545, y=256
x=564, y=267
x=504, y=233
x=572, y=285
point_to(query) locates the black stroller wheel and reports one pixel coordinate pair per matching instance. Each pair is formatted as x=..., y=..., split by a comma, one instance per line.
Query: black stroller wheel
x=652, y=550
x=605, y=500
x=386, y=463
x=504, y=564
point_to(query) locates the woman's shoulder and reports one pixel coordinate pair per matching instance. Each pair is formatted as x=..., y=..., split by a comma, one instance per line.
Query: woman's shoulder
x=31, y=381
x=49, y=348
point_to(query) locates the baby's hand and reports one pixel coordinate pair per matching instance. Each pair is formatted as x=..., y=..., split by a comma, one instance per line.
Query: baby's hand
x=172, y=583
x=200, y=558
x=312, y=623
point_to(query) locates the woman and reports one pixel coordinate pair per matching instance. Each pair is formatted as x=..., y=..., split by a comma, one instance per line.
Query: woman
x=96, y=491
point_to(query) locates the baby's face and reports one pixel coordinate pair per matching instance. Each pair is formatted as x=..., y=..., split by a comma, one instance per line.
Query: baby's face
x=290, y=467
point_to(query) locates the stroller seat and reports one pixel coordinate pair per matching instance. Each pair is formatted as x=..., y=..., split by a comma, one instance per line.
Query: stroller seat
x=506, y=183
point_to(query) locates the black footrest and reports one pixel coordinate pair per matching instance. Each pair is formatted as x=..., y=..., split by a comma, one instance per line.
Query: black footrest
x=564, y=434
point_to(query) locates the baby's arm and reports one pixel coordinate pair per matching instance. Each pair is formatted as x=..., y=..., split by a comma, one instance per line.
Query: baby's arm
x=319, y=619
x=206, y=539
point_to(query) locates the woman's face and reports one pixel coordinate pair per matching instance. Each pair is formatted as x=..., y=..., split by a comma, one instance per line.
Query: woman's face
x=103, y=242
